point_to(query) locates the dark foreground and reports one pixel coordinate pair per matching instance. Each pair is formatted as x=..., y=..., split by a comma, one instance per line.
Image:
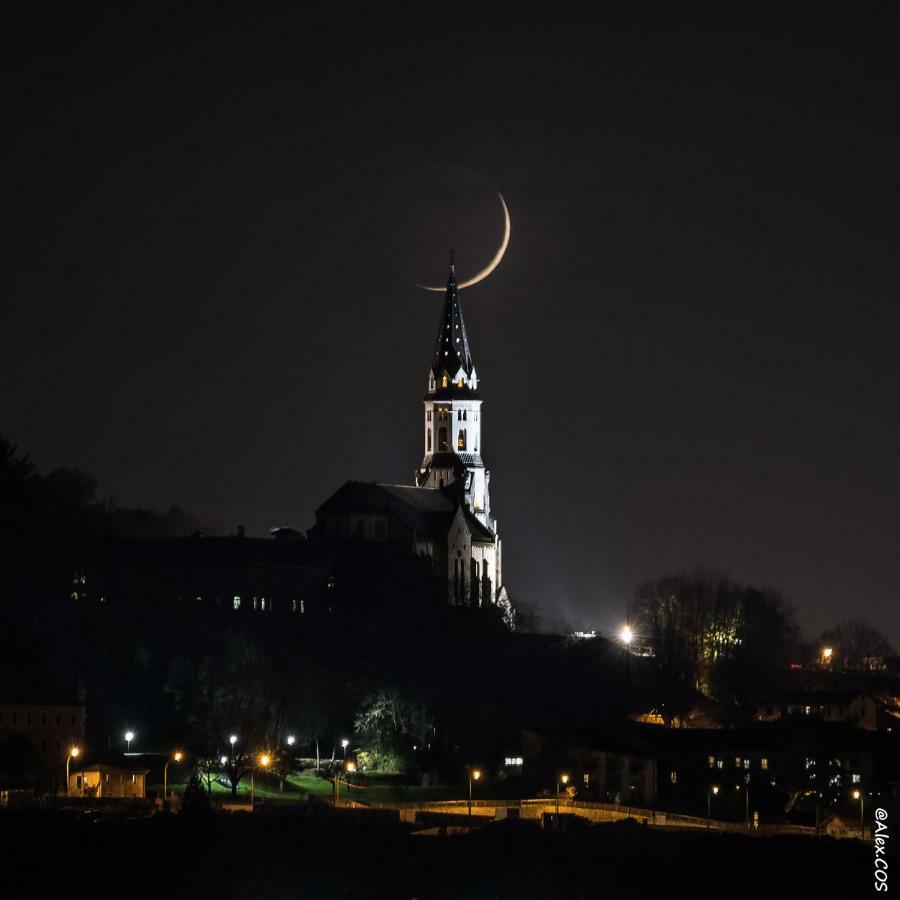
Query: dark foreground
x=289, y=856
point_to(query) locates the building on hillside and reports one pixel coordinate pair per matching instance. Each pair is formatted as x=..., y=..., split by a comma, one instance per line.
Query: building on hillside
x=50, y=728
x=846, y=707
x=446, y=517
x=242, y=575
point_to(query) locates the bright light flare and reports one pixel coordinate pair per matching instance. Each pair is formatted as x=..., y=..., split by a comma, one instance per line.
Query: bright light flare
x=626, y=635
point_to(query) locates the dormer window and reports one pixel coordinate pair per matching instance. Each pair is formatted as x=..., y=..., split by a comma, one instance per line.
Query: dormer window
x=459, y=383
x=445, y=380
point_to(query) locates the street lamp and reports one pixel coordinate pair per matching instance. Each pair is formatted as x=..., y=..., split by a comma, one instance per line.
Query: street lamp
x=564, y=779
x=232, y=740
x=264, y=761
x=474, y=775
x=290, y=740
x=178, y=755
x=344, y=743
x=129, y=737
x=714, y=789
x=858, y=795
x=72, y=754
x=827, y=653
x=626, y=635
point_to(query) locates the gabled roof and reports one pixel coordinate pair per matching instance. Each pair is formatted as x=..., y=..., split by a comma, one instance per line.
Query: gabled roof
x=451, y=349
x=425, y=511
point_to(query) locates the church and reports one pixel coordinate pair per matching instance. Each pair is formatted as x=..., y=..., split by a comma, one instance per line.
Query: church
x=445, y=518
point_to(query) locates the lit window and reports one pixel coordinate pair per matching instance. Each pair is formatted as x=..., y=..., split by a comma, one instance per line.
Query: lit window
x=746, y=763
x=444, y=380
x=673, y=777
x=855, y=779
x=720, y=763
x=764, y=763
x=737, y=762
x=263, y=602
x=461, y=439
x=303, y=605
x=712, y=762
x=237, y=602
x=587, y=778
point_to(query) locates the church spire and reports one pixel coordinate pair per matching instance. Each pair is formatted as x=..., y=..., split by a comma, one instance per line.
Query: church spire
x=451, y=350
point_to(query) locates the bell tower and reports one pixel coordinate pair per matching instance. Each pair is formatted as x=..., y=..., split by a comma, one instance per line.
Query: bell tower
x=452, y=415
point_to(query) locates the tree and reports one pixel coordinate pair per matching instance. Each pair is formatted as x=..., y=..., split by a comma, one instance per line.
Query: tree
x=389, y=724
x=196, y=800
x=715, y=636
x=856, y=644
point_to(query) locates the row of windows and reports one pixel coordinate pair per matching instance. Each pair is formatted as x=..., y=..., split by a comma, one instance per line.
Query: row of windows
x=443, y=442
x=513, y=761
x=43, y=718
x=739, y=762
x=262, y=604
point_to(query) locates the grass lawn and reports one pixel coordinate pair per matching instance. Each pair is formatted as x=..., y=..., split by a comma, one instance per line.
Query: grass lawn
x=368, y=787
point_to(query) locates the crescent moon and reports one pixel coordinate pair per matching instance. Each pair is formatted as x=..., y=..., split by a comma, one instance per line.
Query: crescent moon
x=491, y=265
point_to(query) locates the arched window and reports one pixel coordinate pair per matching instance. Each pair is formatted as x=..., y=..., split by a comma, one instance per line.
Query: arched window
x=445, y=381
x=461, y=439
x=443, y=446
x=429, y=440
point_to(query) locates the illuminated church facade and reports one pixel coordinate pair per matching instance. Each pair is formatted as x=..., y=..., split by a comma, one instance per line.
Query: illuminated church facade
x=446, y=516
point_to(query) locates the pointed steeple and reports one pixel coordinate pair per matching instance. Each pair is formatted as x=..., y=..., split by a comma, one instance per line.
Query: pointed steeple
x=451, y=349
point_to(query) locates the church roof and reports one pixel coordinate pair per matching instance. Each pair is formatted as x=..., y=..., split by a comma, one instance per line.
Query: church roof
x=451, y=349
x=424, y=510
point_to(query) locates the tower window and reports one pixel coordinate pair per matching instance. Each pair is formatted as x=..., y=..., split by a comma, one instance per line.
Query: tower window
x=461, y=439
x=445, y=381
x=429, y=440
x=428, y=416
x=442, y=439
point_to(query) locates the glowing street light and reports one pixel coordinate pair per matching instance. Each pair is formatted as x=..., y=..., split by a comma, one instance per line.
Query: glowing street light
x=858, y=795
x=290, y=740
x=474, y=775
x=232, y=740
x=177, y=757
x=72, y=754
x=714, y=790
x=563, y=779
x=129, y=737
x=223, y=760
x=264, y=761
x=827, y=653
x=344, y=745
x=626, y=635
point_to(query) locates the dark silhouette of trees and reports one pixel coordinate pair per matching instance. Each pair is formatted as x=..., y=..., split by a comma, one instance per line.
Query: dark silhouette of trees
x=855, y=644
x=712, y=635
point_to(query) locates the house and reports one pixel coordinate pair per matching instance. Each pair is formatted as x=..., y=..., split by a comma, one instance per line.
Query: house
x=122, y=779
x=846, y=707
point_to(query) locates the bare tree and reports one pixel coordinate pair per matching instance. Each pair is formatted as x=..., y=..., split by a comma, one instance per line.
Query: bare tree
x=856, y=644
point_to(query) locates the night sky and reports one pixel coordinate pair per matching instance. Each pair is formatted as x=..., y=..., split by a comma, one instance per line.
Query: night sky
x=213, y=218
